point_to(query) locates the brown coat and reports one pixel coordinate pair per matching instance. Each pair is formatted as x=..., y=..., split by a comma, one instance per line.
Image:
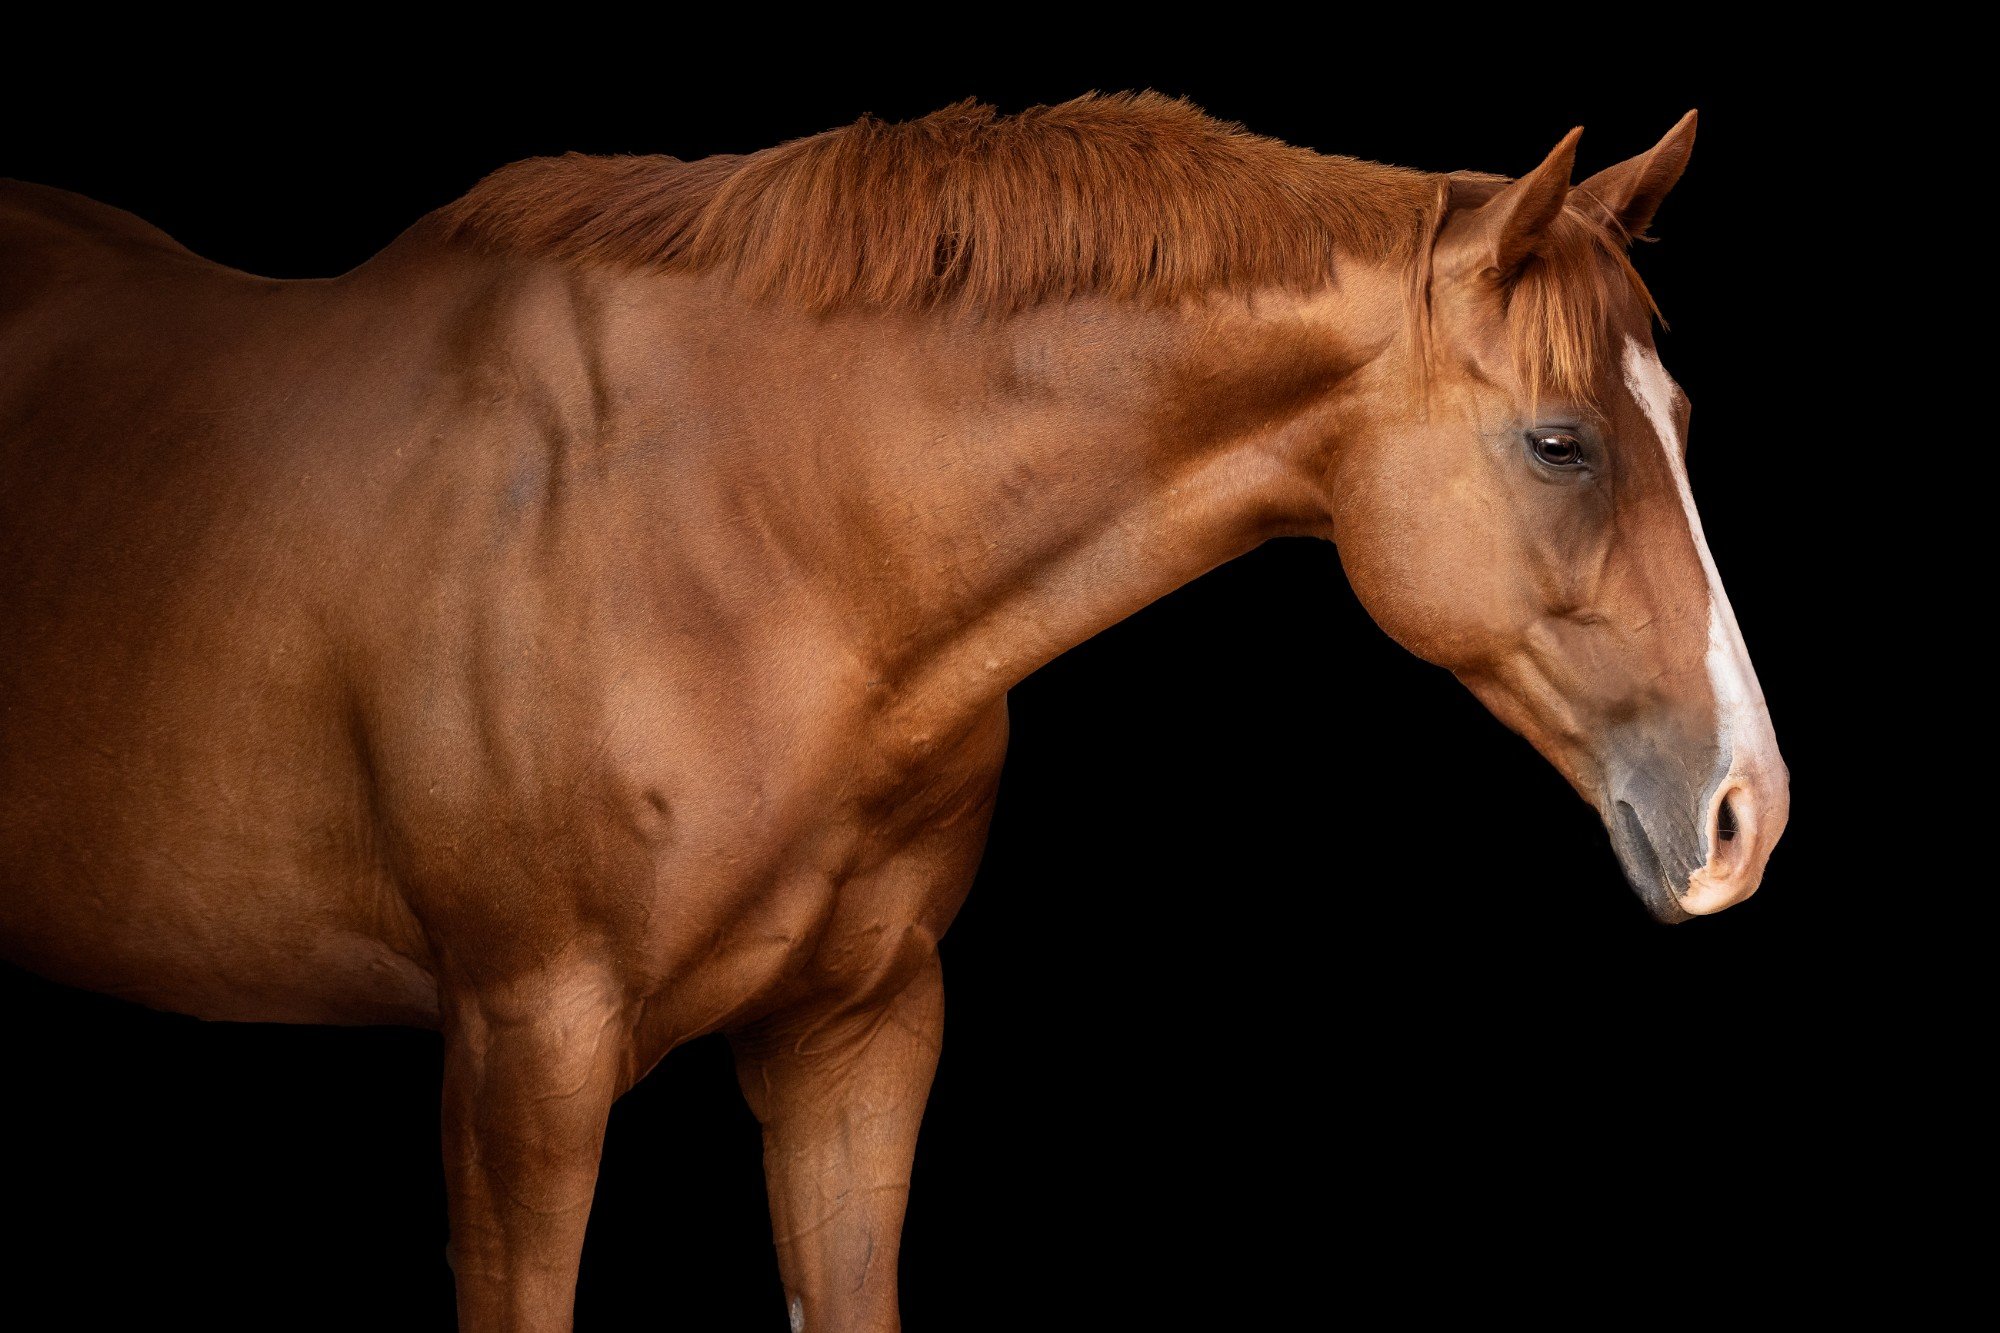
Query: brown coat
x=588, y=625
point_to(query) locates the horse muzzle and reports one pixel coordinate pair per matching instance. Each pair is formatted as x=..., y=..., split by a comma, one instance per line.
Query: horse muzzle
x=1691, y=849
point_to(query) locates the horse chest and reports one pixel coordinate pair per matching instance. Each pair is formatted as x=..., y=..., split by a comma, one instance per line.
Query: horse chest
x=905, y=852
x=818, y=882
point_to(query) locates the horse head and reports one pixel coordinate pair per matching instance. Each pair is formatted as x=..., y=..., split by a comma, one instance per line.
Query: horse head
x=1518, y=511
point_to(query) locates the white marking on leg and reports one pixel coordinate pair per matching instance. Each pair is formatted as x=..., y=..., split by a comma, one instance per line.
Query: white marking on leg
x=798, y=1314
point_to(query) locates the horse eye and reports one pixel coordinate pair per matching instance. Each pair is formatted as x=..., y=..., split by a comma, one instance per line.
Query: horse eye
x=1556, y=448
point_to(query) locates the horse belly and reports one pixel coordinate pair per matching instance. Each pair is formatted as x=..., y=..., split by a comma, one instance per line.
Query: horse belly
x=184, y=820
x=191, y=828
x=153, y=902
x=190, y=961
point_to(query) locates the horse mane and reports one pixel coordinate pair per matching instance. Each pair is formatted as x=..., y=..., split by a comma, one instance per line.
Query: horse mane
x=1133, y=196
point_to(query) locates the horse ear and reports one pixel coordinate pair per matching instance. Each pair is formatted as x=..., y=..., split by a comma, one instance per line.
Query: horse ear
x=1500, y=233
x=1631, y=191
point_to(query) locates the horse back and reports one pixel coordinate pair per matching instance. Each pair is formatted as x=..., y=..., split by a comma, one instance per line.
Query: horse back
x=51, y=239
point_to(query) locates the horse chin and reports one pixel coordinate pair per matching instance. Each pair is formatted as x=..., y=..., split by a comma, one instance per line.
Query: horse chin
x=1656, y=870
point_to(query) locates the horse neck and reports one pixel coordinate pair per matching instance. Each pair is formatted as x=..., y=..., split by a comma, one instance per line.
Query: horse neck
x=966, y=499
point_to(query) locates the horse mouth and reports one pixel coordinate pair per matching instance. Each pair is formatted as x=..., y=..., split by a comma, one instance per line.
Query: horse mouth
x=1649, y=875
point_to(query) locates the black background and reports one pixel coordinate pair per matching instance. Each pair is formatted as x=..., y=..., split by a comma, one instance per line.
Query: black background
x=1292, y=986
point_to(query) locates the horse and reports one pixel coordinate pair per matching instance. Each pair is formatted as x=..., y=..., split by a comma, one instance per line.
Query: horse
x=588, y=624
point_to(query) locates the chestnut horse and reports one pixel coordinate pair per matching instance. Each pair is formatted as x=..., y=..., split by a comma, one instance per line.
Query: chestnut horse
x=588, y=625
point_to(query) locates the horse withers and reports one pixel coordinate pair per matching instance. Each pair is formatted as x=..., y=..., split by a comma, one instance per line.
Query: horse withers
x=588, y=624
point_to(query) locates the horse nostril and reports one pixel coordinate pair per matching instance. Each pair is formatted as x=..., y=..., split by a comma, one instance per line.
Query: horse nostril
x=1725, y=822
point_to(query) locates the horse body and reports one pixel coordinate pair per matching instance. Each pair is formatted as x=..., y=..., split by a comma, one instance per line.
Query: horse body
x=269, y=803
x=579, y=656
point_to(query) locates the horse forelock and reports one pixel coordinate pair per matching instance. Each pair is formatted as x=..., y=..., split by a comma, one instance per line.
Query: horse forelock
x=1568, y=307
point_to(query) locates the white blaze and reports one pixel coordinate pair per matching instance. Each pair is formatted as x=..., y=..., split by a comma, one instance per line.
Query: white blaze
x=1743, y=722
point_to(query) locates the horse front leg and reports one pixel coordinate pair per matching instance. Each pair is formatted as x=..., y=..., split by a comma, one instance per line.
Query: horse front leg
x=840, y=1096
x=531, y=1070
